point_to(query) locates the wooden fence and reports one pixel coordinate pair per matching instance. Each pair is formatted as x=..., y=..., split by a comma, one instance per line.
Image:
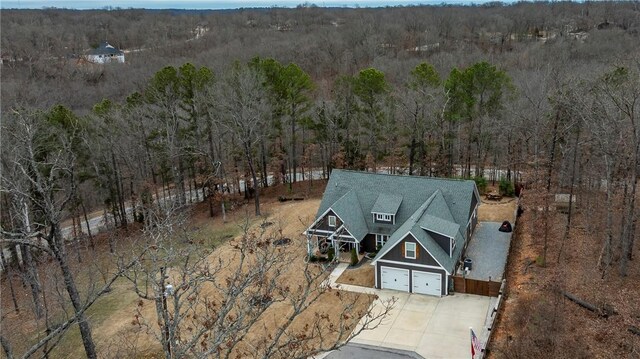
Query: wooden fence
x=474, y=286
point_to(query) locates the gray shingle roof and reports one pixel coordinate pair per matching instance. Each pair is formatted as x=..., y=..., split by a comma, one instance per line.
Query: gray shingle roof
x=387, y=203
x=442, y=205
x=105, y=49
x=347, y=208
x=405, y=228
x=414, y=190
x=439, y=225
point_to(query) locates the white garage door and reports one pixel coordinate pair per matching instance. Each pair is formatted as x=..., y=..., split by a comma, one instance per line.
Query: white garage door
x=394, y=278
x=427, y=283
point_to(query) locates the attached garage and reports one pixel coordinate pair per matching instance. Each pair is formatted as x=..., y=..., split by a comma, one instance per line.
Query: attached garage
x=394, y=278
x=426, y=283
x=411, y=278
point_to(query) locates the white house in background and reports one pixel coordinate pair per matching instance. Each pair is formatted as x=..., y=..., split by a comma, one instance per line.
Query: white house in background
x=104, y=54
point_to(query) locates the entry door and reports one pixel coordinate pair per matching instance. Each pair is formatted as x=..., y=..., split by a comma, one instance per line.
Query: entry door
x=395, y=278
x=427, y=283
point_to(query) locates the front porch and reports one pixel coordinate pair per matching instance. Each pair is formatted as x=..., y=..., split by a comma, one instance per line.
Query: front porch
x=345, y=257
x=319, y=245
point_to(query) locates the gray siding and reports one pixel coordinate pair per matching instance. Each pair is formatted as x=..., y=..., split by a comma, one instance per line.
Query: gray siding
x=471, y=228
x=474, y=221
x=378, y=221
x=443, y=274
x=397, y=254
x=474, y=201
x=323, y=224
x=443, y=241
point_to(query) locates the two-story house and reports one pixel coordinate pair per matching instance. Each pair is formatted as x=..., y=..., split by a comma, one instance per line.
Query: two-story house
x=419, y=226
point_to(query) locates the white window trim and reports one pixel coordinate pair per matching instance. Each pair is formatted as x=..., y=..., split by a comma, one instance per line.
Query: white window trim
x=406, y=250
x=384, y=217
x=381, y=239
x=332, y=219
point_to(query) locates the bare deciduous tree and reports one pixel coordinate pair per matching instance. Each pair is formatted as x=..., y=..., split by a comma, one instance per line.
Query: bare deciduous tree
x=251, y=298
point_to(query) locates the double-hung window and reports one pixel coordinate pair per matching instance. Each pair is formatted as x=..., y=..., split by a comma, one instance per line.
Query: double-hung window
x=332, y=221
x=410, y=250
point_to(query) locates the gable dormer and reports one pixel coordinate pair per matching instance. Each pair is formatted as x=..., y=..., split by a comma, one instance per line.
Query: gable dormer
x=385, y=209
x=445, y=242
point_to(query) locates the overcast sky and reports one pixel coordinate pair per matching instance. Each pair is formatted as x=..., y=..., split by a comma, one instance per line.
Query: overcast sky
x=203, y=4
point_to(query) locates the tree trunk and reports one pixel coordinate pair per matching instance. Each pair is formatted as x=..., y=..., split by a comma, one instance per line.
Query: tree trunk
x=293, y=147
x=412, y=153
x=56, y=243
x=263, y=162
x=423, y=157
x=163, y=312
x=9, y=277
x=211, y=202
x=605, y=254
x=303, y=154
x=166, y=193
x=224, y=211
x=552, y=155
x=254, y=178
x=75, y=222
x=86, y=221
x=6, y=347
x=180, y=188
x=106, y=222
x=630, y=227
x=30, y=268
x=567, y=228
x=119, y=194
x=467, y=171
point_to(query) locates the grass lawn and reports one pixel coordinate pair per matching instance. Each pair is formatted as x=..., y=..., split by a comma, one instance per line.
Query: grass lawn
x=497, y=211
x=361, y=276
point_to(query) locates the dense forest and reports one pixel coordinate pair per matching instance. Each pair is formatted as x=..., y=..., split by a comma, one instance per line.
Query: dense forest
x=544, y=97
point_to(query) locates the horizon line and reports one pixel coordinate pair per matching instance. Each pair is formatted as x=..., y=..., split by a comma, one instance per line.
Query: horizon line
x=200, y=5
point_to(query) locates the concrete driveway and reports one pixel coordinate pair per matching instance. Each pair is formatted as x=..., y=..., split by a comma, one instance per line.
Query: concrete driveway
x=430, y=326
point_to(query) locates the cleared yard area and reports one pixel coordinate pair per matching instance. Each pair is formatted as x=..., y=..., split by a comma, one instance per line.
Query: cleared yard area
x=114, y=319
x=289, y=220
x=497, y=211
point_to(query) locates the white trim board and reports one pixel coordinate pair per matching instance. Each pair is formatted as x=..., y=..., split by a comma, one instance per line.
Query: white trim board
x=410, y=264
x=436, y=232
x=322, y=216
x=402, y=239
